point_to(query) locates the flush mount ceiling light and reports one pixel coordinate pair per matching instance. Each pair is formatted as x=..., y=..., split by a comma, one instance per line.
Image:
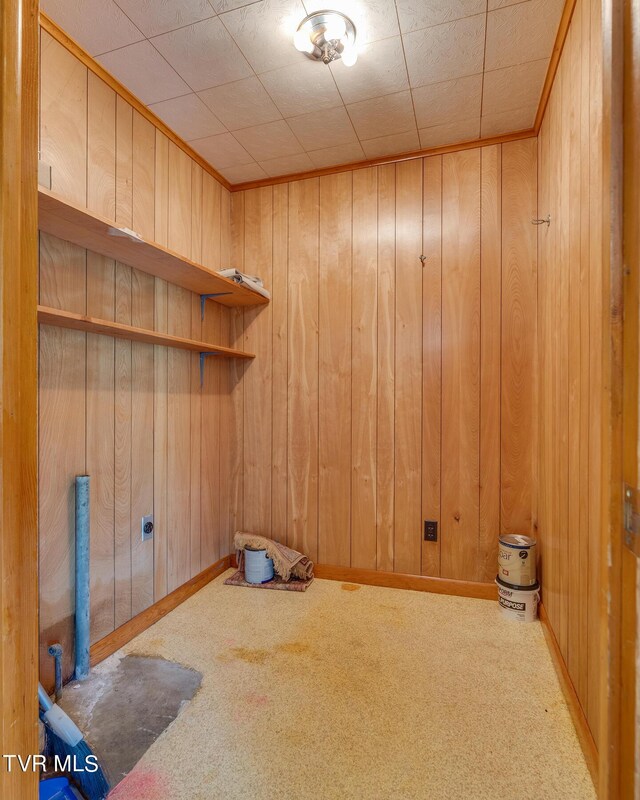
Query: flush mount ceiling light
x=326, y=36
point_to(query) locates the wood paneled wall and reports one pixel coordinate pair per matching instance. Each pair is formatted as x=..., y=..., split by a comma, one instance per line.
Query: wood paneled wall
x=386, y=392
x=131, y=415
x=570, y=320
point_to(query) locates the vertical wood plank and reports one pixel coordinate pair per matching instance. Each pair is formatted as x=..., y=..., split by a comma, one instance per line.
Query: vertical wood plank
x=62, y=453
x=460, y=364
x=100, y=404
x=142, y=458
x=256, y=461
x=303, y=367
x=179, y=232
x=143, y=158
x=408, y=384
x=490, y=359
x=197, y=223
x=385, y=446
x=212, y=452
x=124, y=163
x=364, y=373
x=279, y=408
x=63, y=119
x=122, y=468
x=518, y=333
x=101, y=147
x=334, y=359
x=432, y=357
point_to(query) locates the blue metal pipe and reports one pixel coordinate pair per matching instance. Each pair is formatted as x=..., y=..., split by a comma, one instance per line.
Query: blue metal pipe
x=82, y=577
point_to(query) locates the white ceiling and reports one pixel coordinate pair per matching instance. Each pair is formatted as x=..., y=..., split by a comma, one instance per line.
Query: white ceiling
x=225, y=76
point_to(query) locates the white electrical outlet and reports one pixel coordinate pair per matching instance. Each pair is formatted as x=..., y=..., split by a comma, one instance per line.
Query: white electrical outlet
x=147, y=527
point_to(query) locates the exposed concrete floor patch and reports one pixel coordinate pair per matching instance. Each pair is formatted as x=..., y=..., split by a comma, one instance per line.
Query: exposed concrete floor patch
x=123, y=708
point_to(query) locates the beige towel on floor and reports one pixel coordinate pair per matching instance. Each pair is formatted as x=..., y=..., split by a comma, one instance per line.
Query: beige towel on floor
x=287, y=563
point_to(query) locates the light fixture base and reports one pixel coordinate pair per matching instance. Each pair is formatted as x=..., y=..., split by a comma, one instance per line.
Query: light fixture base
x=320, y=28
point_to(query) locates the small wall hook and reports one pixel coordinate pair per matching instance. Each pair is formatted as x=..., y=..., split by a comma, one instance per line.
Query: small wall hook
x=423, y=259
x=546, y=221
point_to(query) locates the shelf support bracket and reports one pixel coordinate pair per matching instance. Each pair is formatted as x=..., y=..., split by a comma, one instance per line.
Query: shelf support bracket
x=202, y=358
x=205, y=297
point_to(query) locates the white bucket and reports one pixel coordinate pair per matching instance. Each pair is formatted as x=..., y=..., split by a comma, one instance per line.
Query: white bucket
x=518, y=602
x=258, y=567
x=517, y=560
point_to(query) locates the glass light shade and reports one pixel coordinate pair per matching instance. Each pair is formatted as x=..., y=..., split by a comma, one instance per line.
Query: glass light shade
x=302, y=41
x=349, y=56
x=334, y=28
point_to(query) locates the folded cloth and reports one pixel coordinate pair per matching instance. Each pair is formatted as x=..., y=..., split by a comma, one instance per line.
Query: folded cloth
x=238, y=276
x=287, y=563
x=250, y=281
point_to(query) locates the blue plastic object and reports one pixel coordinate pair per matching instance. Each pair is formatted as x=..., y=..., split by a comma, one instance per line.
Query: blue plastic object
x=56, y=789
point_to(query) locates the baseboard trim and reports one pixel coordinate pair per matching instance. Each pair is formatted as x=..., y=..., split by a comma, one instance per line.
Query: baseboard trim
x=125, y=633
x=399, y=580
x=580, y=723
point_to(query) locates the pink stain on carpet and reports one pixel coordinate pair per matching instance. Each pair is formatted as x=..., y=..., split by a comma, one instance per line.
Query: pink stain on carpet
x=248, y=704
x=141, y=785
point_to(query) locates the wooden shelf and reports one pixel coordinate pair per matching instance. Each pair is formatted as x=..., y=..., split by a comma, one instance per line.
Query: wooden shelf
x=73, y=223
x=78, y=322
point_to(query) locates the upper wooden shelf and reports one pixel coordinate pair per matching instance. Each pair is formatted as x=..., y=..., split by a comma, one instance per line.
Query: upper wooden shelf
x=79, y=322
x=73, y=223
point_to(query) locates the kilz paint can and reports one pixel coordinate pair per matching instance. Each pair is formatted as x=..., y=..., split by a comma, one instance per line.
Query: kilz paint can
x=518, y=603
x=517, y=559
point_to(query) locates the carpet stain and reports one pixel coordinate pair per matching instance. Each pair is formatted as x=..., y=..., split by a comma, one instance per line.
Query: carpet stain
x=257, y=655
x=350, y=587
x=141, y=785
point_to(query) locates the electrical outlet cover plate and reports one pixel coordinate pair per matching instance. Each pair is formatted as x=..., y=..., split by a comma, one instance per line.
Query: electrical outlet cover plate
x=147, y=527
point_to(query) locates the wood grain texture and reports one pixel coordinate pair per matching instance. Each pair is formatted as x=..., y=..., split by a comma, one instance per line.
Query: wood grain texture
x=460, y=364
x=302, y=503
x=570, y=358
x=101, y=148
x=385, y=323
x=491, y=302
x=432, y=357
x=519, y=204
x=334, y=370
x=63, y=119
x=364, y=368
x=18, y=393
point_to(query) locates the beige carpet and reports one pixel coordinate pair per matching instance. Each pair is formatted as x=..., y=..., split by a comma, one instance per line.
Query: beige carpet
x=396, y=694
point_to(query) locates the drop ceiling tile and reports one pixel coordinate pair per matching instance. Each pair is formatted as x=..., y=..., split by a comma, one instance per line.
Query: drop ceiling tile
x=342, y=154
x=520, y=119
x=451, y=133
x=204, y=54
x=287, y=165
x=264, y=32
x=241, y=104
x=374, y=19
x=188, y=117
x=449, y=101
x=220, y=6
x=271, y=140
x=522, y=32
x=328, y=129
x=144, y=72
x=415, y=14
x=513, y=87
x=447, y=51
x=97, y=25
x=245, y=172
x=221, y=151
x=391, y=145
x=159, y=16
x=379, y=70
x=301, y=87
x=383, y=116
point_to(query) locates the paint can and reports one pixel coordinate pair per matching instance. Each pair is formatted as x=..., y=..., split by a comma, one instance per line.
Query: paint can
x=518, y=603
x=258, y=567
x=517, y=559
